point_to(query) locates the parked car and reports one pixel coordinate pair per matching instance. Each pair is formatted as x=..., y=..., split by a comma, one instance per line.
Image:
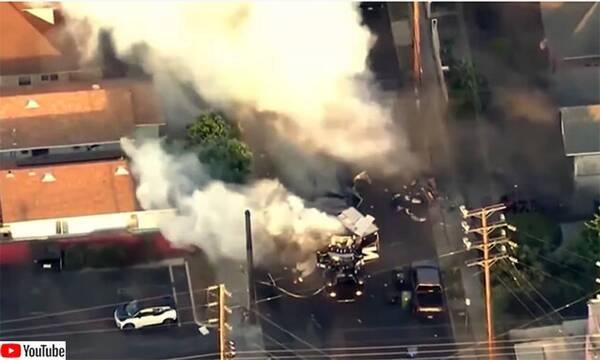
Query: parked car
x=138, y=314
x=428, y=293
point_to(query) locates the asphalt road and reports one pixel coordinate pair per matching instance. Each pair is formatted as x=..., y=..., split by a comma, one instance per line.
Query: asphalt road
x=78, y=307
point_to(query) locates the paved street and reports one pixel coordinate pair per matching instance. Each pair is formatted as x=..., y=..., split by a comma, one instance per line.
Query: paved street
x=78, y=307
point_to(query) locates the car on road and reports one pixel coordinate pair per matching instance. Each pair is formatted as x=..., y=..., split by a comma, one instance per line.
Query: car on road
x=428, y=293
x=137, y=314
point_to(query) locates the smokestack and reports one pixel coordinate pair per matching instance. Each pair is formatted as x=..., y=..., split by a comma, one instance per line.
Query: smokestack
x=250, y=270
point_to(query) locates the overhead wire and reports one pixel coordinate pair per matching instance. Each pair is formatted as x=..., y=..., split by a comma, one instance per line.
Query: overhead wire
x=516, y=296
x=375, y=350
x=539, y=293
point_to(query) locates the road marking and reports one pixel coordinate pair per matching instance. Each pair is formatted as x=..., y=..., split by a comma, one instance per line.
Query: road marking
x=174, y=292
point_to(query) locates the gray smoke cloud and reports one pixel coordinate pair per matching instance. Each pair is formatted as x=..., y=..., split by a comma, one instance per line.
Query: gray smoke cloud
x=210, y=214
x=305, y=62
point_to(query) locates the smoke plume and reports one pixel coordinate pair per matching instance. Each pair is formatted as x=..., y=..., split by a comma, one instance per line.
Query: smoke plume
x=210, y=214
x=305, y=62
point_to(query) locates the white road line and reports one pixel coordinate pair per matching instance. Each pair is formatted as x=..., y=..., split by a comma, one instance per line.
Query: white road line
x=174, y=292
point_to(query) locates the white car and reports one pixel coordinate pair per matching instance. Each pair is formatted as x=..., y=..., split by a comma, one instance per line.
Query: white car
x=138, y=314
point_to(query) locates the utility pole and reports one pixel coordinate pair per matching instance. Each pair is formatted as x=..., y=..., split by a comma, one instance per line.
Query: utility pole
x=250, y=269
x=489, y=225
x=416, y=33
x=216, y=297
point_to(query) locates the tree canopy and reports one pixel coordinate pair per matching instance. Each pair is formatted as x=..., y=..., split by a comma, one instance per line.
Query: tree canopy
x=207, y=128
x=213, y=138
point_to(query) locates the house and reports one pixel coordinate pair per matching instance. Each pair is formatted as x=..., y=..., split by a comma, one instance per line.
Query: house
x=72, y=199
x=36, y=47
x=572, y=40
x=570, y=340
x=74, y=121
x=580, y=127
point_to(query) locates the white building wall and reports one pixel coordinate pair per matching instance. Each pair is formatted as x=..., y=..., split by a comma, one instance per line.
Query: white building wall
x=136, y=221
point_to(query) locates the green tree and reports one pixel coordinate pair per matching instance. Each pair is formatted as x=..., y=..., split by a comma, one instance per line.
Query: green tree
x=218, y=147
x=228, y=160
x=593, y=227
x=468, y=88
x=207, y=128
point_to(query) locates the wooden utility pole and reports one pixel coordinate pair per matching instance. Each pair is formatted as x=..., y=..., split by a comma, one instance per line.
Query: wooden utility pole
x=216, y=298
x=416, y=33
x=485, y=228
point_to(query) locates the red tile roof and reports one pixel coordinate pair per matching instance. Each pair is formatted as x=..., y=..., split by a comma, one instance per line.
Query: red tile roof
x=19, y=38
x=73, y=190
x=30, y=45
x=43, y=119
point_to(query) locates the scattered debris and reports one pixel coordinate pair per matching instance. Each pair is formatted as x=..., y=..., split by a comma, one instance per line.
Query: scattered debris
x=203, y=330
x=364, y=176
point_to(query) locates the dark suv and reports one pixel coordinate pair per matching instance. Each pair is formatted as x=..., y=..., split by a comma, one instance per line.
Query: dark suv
x=428, y=297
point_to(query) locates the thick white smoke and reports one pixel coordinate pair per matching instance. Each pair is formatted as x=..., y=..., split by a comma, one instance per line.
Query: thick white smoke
x=210, y=214
x=303, y=60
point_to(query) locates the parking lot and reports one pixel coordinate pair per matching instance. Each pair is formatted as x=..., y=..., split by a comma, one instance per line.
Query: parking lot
x=78, y=307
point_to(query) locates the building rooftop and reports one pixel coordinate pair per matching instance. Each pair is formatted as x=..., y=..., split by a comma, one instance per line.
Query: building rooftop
x=75, y=113
x=34, y=40
x=581, y=129
x=66, y=190
x=573, y=40
x=572, y=28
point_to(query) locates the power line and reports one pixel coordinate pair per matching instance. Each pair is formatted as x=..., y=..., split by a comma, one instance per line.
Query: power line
x=537, y=304
x=516, y=296
x=395, y=350
x=551, y=276
x=286, y=331
x=562, y=249
x=74, y=311
x=3, y=333
x=272, y=339
x=463, y=356
x=539, y=293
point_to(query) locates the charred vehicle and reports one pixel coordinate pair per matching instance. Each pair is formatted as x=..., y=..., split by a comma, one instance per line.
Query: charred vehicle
x=342, y=261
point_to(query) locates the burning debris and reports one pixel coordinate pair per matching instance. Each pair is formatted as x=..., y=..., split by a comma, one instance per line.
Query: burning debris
x=415, y=195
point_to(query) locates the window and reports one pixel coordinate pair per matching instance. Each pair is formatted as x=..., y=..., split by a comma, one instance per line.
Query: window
x=45, y=77
x=53, y=77
x=24, y=80
x=24, y=152
x=92, y=147
x=145, y=312
x=40, y=152
x=62, y=227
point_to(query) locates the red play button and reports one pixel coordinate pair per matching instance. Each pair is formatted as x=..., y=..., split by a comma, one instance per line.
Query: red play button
x=10, y=350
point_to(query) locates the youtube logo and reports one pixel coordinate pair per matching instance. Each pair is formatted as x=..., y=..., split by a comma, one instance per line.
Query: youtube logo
x=10, y=350
x=32, y=350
